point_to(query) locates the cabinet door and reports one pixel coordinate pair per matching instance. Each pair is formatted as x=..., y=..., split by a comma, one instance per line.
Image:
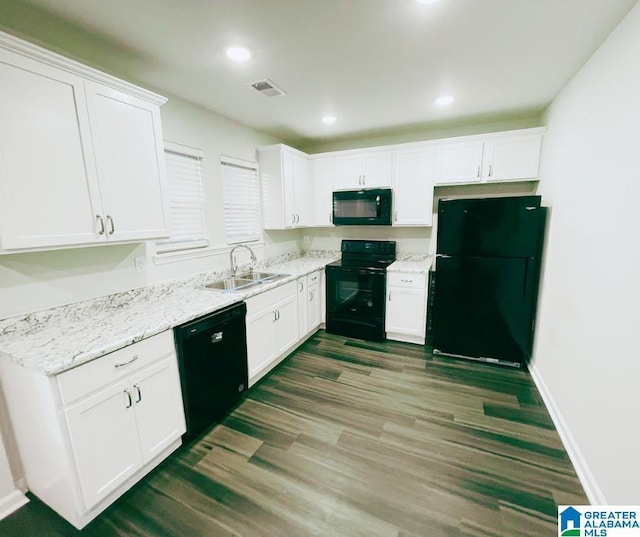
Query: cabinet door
x=302, y=191
x=260, y=340
x=459, y=162
x=406, y=311
x=104, y=441
x=303, y=308
x=323, y=191
x=127, y=138
x=348, y=172
x=413, y=188
x=48, y=186
x=285, y=329
x=288, y=189
x=157, y=399
x=377, y=170
x=512, y=158
x=315, y=306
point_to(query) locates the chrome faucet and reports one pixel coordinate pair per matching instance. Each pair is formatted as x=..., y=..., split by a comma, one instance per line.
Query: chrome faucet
x=232, y=262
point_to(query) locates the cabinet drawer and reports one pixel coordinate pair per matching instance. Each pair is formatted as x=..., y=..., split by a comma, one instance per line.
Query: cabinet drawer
x=270, y=298
x=406, y=279
x=313, y=278
x=113, y=366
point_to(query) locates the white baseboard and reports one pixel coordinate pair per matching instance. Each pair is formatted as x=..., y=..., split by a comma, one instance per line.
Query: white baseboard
x=586, y=477
x=12, y=502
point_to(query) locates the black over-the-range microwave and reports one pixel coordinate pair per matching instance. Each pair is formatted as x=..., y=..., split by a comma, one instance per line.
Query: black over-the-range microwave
x=367, y=207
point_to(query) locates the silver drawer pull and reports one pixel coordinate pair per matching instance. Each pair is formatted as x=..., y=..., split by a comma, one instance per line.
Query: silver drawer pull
x=407, y=281
x=216, y=337
x=122, y=364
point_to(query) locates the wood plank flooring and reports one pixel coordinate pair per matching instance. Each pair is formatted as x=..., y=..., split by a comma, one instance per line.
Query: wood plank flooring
x=355, y=439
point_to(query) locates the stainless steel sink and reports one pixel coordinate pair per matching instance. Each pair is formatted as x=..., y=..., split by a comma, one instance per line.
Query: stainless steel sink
x=245, y=281
x=260, y=275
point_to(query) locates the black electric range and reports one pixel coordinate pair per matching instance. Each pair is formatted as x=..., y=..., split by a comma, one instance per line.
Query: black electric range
x=356, y=289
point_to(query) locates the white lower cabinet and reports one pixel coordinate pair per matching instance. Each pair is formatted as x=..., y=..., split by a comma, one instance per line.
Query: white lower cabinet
x=95, y=430
x=315, y=300
x=272, y=328
x=406, y=313
x=309, y=305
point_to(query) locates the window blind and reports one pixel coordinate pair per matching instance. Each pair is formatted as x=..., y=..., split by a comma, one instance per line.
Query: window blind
x=186, y=200
x=241, y=201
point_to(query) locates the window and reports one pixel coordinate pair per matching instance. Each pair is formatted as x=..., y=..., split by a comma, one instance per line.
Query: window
x=186, y=199
x=241, y=200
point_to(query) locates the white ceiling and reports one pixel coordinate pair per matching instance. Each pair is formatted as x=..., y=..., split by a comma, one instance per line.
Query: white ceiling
x=375, y=64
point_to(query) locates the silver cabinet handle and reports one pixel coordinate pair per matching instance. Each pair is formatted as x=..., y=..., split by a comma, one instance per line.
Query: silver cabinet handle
x=478, y=172
x=278, y=314
x=102, y=228
x=310, y=296
x=129, y=402
x=301, y=288
x=395, y=216
x=293, y=218
x=389, y=297
x=275, y=316
x=314, y=278
x=490, y=170
x=138, y=393
x=331, y=217
x=112, y=227
x=407, y=281
x=364, y=179
x=122, y=364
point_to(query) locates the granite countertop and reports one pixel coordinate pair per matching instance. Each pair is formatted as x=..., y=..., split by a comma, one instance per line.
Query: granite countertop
x=59, y=339
x=411, y=264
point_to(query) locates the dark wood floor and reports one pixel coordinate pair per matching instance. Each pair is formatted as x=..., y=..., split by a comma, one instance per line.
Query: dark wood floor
x=350, y=438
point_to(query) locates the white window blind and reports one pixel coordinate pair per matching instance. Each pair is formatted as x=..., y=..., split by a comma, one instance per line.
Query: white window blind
x=186, y=199
x=241, y=200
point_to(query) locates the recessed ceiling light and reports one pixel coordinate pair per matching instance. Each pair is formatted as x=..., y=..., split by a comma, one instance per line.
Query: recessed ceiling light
x=329, y=119
x=237, y=53
x=444, y=100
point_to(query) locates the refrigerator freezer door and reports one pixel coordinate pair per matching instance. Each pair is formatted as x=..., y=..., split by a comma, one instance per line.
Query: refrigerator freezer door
x=482, y=308
x=491, y=227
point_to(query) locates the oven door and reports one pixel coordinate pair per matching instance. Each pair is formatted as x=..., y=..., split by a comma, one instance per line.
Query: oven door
x=356, y=302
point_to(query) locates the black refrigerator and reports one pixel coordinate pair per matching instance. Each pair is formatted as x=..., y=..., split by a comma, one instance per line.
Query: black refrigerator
x=487, y=273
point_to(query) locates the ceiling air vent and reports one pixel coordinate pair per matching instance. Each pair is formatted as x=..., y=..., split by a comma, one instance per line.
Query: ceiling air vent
x=268, y=88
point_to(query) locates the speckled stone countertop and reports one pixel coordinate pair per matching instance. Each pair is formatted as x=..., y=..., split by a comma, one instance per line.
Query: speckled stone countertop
x=55, y=340
x=417, y=264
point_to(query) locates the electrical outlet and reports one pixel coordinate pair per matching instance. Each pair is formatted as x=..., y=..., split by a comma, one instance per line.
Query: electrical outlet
x=140, y=263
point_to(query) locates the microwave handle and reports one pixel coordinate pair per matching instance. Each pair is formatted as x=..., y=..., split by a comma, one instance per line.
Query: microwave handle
x=378, y=204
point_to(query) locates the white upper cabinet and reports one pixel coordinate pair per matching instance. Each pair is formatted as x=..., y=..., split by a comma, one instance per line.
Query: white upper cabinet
x=287, y=192
x=81, y=154
x=127, y=138
x=413, y=187
x=322, y=175
x=49, y=193
x=512, y=156
x=459, y=162
x=363, y=170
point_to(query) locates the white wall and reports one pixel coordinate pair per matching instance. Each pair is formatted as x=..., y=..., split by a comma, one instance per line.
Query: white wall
x=586, y=352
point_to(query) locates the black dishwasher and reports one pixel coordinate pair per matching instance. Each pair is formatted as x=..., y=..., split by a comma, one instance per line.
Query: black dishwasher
x=212, y=356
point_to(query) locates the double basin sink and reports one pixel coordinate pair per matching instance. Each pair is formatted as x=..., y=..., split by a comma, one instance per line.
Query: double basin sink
x=246, y=280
